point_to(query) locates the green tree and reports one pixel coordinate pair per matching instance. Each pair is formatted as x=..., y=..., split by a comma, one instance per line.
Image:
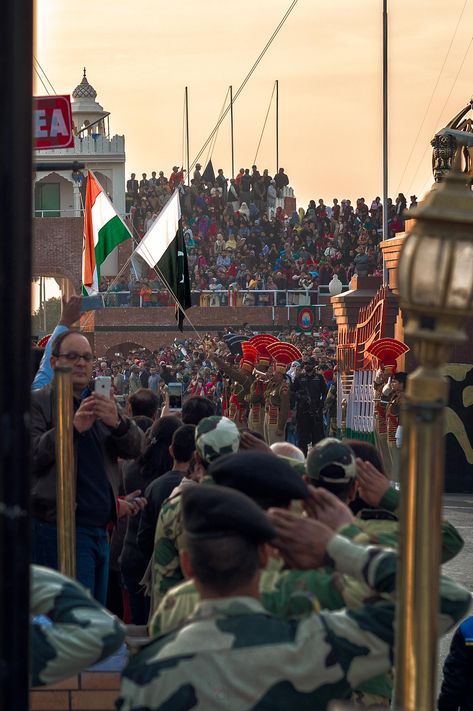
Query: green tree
x=44, y=319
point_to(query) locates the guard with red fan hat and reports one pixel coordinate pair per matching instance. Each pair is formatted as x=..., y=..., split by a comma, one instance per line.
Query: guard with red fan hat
x=385, y=351
x=256, y=397
x=277, y=392
x=242, y=379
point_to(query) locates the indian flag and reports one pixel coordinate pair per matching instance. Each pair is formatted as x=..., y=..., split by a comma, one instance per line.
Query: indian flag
x=104, y=229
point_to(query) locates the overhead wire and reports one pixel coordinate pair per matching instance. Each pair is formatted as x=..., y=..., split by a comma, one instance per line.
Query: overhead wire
x=442, y=110
x=432, y=96
x=247, y=78
x=265, y=121
x=45, y=75
x=41, y=80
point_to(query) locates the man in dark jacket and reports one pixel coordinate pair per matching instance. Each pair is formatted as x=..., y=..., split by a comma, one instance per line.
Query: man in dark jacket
x=456, y=693
x=101, y=433
x=308, y=393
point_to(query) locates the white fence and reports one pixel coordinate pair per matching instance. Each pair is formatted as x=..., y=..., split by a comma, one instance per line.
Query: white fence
x=357, y=390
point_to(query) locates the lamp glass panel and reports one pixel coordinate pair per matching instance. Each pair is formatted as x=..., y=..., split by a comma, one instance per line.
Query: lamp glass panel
x=460, y=289
x=430, y=270
x=403, y=267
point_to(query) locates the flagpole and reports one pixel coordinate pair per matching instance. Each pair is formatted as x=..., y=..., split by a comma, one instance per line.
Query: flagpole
x=187, y=136
x=385, y=133
x=158, y=272
x=277, y=126
x=231, y=131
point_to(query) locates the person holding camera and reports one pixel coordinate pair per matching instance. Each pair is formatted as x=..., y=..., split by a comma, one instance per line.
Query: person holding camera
x=101, y=434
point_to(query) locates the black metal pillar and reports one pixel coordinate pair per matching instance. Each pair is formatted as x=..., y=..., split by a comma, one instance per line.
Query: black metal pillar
x=16, y=43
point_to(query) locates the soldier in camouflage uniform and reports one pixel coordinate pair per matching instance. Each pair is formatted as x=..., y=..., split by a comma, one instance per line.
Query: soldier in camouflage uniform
x=214, y=437
x=242, y=380
x=270, y=481
x=331, y=465
x=295, y=593
x=69, y=629
x=232, y=654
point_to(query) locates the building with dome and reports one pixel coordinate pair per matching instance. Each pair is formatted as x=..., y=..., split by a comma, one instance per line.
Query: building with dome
x=56, y=191
x=59, y=191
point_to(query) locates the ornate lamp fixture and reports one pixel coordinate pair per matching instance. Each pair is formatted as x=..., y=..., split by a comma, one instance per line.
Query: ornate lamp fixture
x=435, y=279
x=335, y=286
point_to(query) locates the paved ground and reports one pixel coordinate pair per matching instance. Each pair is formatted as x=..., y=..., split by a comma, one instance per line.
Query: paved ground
x=458, y=509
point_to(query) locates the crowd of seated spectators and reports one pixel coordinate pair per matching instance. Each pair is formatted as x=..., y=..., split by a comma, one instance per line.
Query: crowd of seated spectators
x=240, y=236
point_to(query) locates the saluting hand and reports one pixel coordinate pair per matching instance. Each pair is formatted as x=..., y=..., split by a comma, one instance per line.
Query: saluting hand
x=372, y=484
x=302, y=542
x=325, y=507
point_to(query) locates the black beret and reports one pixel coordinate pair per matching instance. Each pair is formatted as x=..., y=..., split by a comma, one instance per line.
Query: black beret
x=215, y=511
x=265, y=478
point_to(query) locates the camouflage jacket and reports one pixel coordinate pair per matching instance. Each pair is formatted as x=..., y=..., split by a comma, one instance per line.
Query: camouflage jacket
x=294, y=593
x=169, y=534
x=232, y=654
x=69, y=629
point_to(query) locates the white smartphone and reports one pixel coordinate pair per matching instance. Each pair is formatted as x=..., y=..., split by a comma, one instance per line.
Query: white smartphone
x=103, y=385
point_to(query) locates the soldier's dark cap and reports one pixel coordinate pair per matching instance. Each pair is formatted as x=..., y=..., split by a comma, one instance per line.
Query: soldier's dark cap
x=265, y=478
x=331, y=462
x=217, y=511
x=309, y=361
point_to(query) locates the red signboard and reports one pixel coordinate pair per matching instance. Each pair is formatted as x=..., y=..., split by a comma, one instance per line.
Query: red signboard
x=52, y=122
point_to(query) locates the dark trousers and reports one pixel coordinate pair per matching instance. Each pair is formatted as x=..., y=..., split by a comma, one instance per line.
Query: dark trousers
x=310, y=430
x=139, y=602
x=92, y=554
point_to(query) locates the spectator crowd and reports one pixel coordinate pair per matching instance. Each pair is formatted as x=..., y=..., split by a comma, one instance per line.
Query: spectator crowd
x=243, y=234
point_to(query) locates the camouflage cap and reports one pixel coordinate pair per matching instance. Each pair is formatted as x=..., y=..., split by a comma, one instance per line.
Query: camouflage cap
x=331, y=462
x=215, y=436
x=215, y=511
x=267, y=479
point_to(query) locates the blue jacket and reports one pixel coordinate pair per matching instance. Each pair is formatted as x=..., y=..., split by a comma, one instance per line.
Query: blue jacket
x=456, y=693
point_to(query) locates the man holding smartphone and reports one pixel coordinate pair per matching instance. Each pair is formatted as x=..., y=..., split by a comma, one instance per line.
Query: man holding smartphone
x=102, y=433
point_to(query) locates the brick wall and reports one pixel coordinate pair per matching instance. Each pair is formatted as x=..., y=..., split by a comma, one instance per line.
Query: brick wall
x=89, y=691
x=57, y=252
x=57, y=248
x=153, y=327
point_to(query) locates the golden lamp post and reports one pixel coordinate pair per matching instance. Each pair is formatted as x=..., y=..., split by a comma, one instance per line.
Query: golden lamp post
x=65, y=472
x=435, y=280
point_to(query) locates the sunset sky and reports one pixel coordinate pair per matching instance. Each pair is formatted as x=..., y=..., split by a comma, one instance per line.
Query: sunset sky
x=327, y=58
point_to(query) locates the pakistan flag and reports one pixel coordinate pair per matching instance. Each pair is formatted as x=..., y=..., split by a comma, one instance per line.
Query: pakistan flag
x=163, y=248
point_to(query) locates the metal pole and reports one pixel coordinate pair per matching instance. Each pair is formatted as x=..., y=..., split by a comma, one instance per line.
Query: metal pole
x=231, y=131
x=45, y=326
x=65, y=472
x=422, y=476
x=277, y=125
x=385, y=132
x=187, y=139
x=16, y=43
